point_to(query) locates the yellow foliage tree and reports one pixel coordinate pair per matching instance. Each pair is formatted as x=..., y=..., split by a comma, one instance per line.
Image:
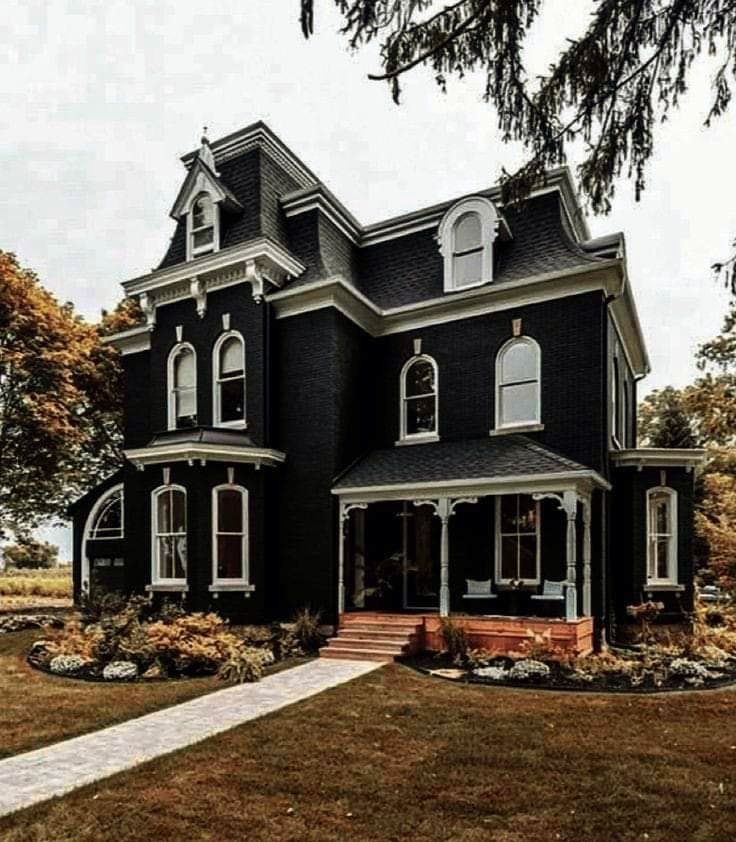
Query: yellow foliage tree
x=60, y=400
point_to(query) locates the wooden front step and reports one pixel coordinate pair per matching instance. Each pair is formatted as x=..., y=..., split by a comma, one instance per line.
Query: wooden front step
x=374, y=637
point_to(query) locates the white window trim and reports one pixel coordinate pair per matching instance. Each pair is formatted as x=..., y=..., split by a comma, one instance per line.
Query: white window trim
x=170, y=402
x=97, y=511
x=615, y=399
x=86, y=534
x=405, y=437
x=527, y=423
x=239, y=424
x=156, y=580
x=673, y=568
x=243, y=582
x=489, y=221
x=497, y=542
x=211, y=248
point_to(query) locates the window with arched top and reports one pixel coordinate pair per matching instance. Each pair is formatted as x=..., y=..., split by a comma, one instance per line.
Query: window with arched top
x=466, y=236
x=229, y=535
x=169, y=535
x=467, y=250
x=518, y=400
x=202, y=226
x=107, y=521
x=182, y=387
x=661, y=536
x=419, y=399
x=228, y=357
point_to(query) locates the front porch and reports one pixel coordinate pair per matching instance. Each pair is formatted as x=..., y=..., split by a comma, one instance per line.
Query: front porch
x=508, y=554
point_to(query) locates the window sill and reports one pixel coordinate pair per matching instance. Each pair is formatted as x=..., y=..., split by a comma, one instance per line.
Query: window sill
x=480, y=596
x=168, y=587
x=218, y=587
x=521, y=428
x=661, y=587
x=416, y=440
x=231, y=425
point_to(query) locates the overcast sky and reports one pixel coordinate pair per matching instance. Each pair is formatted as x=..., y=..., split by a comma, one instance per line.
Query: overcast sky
x=99, y=100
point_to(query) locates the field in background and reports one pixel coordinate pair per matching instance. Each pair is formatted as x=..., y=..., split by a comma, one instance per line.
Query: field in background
x=43, y=588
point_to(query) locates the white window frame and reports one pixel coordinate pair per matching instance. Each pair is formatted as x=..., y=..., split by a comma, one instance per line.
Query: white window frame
x=502, y=351
x=615, y=401
x=498, y=543
x=170, y=398
x=672, y=571
x=242, y=582
x=489, y=221
x=100, y=507
x=216, y=397
x=155, y=534
x=212, y=247
x=403, y=415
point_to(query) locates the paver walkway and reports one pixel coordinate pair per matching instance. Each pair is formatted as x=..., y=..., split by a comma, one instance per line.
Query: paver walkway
x=57, y=769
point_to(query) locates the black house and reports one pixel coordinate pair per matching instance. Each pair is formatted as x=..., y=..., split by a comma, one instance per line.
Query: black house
x=435, y=413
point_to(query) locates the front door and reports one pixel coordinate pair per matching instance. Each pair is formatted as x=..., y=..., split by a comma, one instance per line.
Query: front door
x=421, y=541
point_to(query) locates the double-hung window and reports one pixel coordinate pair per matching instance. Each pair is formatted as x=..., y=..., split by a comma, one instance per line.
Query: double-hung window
x=419, y=399
x=517, y=539
x=169, y=525
x=229, y=380
x=230, y=535
x=182, y=377
x=661, y=536
x=518, y=367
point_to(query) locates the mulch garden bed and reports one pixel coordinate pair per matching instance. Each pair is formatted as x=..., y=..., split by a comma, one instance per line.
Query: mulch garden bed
x=560, y=678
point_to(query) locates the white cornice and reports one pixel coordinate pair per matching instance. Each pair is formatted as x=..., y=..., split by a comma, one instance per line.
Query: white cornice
x=258, y=135
x=202, y=453
x=583, y=481
x=658, y=457
x=131, y=341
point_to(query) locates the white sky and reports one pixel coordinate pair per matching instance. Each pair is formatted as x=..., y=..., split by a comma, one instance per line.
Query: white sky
x=100, y=99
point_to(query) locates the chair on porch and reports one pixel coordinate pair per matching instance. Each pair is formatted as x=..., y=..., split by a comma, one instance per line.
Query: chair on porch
x=551, y=592
x=478, y=589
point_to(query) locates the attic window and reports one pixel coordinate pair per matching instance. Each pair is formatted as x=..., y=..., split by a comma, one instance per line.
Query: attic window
x=202, y=229
x=466, y=236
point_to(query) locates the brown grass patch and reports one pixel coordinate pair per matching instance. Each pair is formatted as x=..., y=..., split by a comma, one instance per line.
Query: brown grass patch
x=397, y=756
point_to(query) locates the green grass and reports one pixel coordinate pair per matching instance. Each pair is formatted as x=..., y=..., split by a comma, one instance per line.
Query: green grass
x=399, y=756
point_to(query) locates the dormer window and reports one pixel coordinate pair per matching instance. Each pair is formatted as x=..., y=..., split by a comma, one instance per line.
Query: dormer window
x=466, y=236
x=202, y=229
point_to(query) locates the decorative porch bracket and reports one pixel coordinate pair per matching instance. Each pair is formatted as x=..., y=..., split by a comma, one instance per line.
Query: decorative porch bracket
x=345, y=509
x=444, y=508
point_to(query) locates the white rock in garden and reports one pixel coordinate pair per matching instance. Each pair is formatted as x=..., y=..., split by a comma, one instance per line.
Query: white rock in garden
x=522, y=670
x=494, y=673
x=120, y=671
x=687, y=668
x=66, y=664
x=267, y=656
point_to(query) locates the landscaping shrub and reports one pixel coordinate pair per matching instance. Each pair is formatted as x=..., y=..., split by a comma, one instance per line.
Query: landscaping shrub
x=32, y=554
x=306, y=629
x=243, y=665
x=455, y=638
x=120, y=671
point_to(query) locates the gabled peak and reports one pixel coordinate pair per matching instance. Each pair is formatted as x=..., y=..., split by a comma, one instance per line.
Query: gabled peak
x=202, y=178
x=205, y=154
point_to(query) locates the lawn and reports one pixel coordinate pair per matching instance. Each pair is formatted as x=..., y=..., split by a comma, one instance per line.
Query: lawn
x=399, y=756
x=37, y=709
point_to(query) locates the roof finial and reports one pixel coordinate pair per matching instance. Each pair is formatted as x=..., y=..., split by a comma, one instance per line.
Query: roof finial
x=206, y=154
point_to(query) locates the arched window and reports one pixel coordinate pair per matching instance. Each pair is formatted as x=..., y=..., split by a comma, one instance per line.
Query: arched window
x=229, y=535
x=202, y=231
x=107, y=520
x=467, y=250
x=182, y=376
x=661, y=535
x=518, y=384
x=229, y=380
x=169, y=535
x=419, y=393
x=466, y=236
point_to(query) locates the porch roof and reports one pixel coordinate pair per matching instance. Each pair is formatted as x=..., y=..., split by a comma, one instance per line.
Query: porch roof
x=493, y=465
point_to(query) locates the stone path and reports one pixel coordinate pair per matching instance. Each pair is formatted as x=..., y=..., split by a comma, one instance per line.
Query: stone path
x=57, y=769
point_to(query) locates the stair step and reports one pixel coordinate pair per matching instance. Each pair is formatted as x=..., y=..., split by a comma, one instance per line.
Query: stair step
x=377, y=634
x=367, y=643
x=381, y=625
x=346, y=654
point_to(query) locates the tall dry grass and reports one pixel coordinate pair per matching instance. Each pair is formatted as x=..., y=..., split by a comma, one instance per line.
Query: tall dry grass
x=55, y=582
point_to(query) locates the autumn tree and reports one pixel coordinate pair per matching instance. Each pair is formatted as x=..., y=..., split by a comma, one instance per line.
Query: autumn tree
x=60, y=402
x=664, y=420
x=29, y=553
x=611, y=85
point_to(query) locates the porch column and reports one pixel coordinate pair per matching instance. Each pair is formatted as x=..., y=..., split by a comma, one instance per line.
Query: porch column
x=570, y=506
x=344, y=516
x=587, y=609
x=444, y=508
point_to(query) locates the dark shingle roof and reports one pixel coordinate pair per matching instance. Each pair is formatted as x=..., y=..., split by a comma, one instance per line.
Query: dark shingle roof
x=495, y=456
x=201, y=435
